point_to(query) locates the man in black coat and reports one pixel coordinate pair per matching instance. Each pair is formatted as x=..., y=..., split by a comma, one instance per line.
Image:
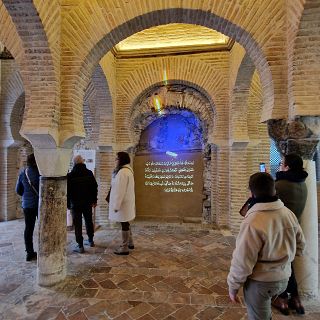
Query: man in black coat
x=81, y=198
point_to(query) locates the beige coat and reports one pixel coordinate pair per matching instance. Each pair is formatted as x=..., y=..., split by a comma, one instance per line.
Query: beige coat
x=122, y=198
x=269, y=238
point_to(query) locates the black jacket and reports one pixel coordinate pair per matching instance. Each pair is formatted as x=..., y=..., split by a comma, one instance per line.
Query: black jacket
x=292, y=190
x=82, y=187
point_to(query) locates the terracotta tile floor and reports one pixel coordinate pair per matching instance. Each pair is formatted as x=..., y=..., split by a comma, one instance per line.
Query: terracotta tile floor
x=175, y=272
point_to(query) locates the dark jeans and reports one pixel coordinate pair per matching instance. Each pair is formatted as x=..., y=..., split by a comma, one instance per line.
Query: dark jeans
x=77, y=222
x=125, y=226
x=30, y=215
x=292, y=287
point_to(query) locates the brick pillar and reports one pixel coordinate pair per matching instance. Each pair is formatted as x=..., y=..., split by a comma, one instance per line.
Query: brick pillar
x=213, y=183
x=8, y=173
x=238, y=172
x=105, y=165
x=220, y=177
x=52, y=230
x=298, y=136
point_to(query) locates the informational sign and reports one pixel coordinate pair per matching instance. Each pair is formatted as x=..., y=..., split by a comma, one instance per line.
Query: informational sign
x=89, y=156
x=169, y=186
x=171, y=175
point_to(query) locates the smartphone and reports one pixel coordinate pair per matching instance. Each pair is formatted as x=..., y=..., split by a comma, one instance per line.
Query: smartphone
x=262, y=167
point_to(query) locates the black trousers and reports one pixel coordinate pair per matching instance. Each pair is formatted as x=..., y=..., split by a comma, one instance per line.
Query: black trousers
x=125, y=226
x=30, y=216
x=77, y=222
x=292, y=287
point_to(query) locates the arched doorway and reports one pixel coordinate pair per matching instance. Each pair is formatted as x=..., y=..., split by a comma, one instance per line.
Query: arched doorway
x=169, y=168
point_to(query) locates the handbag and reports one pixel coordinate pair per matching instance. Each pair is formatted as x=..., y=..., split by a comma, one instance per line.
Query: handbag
x=108, y=195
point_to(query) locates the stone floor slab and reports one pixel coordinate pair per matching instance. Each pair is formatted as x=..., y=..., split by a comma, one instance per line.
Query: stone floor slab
x=174, y=272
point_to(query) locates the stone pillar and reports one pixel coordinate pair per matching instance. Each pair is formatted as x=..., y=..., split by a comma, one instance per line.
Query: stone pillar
x=306, y=267
x=52, y=230
x=53, y=166
x=301, y=136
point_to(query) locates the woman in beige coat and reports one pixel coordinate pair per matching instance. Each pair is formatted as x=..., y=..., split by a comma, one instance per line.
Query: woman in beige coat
x=122, y=200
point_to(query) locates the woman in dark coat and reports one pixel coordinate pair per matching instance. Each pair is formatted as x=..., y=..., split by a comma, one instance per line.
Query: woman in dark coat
x=28, y=187
x=292, y=190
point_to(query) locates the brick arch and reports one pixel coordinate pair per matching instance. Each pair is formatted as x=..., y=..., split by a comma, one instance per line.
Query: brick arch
x=42, y=101
x=176, y=95
x=91, y=114
x=16, y=119
x=9, y=36
x=98, y=112
x=13, y=90
x=239, y=103
x=254, y=99
x=306, y=75
x=105, y=106
x=214, y=86
x=177, y=15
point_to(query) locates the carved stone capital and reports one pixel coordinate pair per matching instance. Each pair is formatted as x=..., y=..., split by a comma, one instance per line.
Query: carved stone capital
x=300, y=136
x=5, y=54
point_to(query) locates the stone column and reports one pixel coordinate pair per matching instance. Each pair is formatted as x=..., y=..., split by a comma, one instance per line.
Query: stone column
x=306, y=267
x=301, y=136
x=52, y=230
x=53, y=165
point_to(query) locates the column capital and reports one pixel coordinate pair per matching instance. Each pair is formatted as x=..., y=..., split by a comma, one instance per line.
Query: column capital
x=300, y=135
x=53, y=162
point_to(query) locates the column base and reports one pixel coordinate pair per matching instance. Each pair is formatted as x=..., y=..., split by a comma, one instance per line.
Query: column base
x=49, y=272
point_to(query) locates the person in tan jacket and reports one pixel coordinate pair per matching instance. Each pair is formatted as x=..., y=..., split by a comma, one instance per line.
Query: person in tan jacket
x=269, y=238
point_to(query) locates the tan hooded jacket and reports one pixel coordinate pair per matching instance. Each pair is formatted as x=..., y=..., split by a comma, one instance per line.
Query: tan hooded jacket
x=269, y=238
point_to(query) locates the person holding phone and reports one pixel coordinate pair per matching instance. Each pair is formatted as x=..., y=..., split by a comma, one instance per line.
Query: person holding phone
x=259, y=263
x=292, y=190
x=251, y=201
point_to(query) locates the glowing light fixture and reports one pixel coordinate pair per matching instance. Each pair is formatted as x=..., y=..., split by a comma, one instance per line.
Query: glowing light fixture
x=157, y=104
x=171, y=36
x=172, y=154
x=165, y=76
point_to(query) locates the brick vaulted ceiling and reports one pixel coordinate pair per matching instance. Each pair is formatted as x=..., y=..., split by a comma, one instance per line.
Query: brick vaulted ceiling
x=172, y=39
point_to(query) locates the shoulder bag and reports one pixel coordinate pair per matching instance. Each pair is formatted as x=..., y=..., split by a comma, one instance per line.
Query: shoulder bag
x=31, y=185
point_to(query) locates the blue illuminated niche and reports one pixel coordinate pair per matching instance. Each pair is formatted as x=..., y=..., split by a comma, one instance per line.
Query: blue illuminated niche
x=173, y=132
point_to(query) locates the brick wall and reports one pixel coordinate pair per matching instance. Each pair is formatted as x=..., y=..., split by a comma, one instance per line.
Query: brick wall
x=306, y=66
x=11, y=106
x=58, y=46
x=41, y=82
x=239, y=21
